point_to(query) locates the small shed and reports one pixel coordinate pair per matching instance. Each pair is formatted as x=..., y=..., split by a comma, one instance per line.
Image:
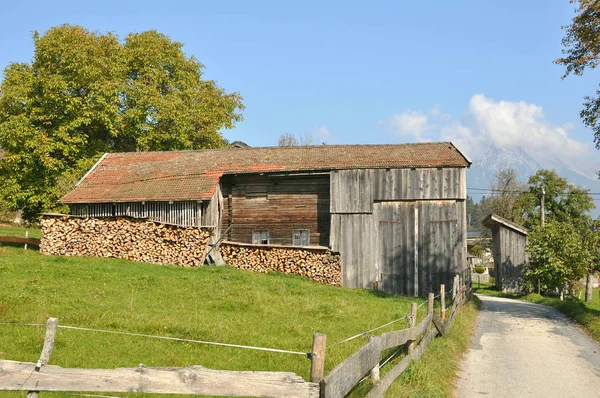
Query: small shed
x=509, y=241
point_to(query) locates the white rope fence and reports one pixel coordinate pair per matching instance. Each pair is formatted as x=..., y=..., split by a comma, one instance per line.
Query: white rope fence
x=247, y=347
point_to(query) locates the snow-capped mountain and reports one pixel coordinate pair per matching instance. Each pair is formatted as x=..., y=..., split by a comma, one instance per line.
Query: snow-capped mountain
x=579, y=172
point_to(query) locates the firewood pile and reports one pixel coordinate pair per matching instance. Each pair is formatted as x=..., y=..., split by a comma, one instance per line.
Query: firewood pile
x=320, y=265
x=124, y=237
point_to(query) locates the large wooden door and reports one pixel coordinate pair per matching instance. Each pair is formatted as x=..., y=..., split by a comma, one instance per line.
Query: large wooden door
x=418, y=245
x=440, y=244
x=397, y=224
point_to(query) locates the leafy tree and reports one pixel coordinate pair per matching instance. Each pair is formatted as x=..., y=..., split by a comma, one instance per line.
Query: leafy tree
x=478, y=251
x=559, y=253
x=86, y=93
x=582, y=52
x=563, y=202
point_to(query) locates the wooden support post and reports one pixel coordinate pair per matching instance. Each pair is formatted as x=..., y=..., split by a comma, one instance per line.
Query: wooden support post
x=430, y=304
x=26, y=237
x=51, y=325
x=317, y=358
x=413, y=323
x=375, y=377
x=455, y=287
x=443, y=301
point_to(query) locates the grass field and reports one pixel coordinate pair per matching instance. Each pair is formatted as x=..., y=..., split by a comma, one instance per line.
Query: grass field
x=220, y=304
x=9, y=230
x=585, y=314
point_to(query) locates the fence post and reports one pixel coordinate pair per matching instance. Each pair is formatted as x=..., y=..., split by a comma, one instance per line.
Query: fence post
x=317, y=358
x=51, y=325
x=375, y=371
x=443, y=301
x=26, y=237
x=412, y=324
x=430, y=304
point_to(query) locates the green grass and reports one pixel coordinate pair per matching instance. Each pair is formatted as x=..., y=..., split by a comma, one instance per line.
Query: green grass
x=9, y=230
x=220, y=304
x=585, y=314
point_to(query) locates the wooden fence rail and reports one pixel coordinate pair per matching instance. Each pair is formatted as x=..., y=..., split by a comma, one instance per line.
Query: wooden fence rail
x=197, y=380
x=26, y=240
x=344, y=378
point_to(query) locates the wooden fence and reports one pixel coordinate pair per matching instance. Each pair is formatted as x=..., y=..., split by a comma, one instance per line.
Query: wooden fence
x=25, y=241
x=197, y=380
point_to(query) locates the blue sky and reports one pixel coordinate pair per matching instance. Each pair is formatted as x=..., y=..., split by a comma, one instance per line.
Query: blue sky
x=361, y=72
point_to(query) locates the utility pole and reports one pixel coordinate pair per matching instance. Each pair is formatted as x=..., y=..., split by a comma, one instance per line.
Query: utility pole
x=543, y=211
x=543, y=214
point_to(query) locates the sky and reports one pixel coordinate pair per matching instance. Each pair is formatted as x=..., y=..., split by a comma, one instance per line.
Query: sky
x=344, y=72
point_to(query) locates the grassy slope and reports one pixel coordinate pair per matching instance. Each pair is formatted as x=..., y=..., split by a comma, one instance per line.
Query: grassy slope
x=210, y=303
x=9, y=230
x=585, y=314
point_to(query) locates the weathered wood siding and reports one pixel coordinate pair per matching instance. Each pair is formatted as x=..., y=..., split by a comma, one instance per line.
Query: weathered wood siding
x=352, y=191
x=353, y=235
x=186, y=213
x=509, y=257
x=404, y=229
x=415, y=184
x=278, y=204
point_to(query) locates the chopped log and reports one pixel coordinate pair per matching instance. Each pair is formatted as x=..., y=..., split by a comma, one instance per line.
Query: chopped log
x=318, y=264
x=124, y=237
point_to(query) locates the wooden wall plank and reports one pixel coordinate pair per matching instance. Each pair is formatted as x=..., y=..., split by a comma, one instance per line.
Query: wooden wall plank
x=290, y=202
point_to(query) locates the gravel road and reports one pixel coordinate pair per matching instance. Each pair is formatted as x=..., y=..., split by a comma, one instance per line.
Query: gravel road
x=522, y=349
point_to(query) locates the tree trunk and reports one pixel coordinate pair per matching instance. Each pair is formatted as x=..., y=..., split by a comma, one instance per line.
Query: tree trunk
x=562, y=293
x=588, y=288
x=18, y=217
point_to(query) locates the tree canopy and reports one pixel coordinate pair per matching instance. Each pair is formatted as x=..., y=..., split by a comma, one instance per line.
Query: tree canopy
x=563, y=201
x=86, y=93
x=582, y=52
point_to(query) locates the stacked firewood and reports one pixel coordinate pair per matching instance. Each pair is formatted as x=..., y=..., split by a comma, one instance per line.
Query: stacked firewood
x=123, y=237
x=320, y=265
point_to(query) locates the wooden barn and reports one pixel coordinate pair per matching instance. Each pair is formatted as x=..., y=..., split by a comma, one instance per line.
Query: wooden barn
x=395, y=213
x=509, y=242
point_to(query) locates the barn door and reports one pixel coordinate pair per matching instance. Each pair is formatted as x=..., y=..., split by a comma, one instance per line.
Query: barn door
x=398, y=252
x=440, y=243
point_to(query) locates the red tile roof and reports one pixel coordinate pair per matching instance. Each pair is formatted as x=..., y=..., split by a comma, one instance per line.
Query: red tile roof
x=193, y=175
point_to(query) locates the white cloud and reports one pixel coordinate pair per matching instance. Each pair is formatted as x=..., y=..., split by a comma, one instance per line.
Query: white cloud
x=510, y=124
x=322, y=132
x=410, y=123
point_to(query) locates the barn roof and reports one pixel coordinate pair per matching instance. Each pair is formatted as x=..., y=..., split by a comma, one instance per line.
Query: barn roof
x=193, y=175
x=493, y=219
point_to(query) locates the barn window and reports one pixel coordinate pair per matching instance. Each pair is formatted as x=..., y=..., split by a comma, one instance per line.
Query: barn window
x=301, y=237
x=260, y=237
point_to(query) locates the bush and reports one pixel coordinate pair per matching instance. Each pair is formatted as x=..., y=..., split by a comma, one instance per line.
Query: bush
x=480, y=269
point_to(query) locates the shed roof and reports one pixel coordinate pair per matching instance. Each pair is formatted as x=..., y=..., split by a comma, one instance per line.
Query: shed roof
x=493, y=219
x=193, y=175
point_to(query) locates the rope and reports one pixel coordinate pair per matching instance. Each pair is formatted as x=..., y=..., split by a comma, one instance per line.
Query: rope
x=390, y=358
x=367, y=332
x=166, y=338
x=186, y=340
x=423, y=303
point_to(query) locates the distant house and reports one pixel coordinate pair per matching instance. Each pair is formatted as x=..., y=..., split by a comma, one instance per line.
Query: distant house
x=395, y=213
x=509, y=241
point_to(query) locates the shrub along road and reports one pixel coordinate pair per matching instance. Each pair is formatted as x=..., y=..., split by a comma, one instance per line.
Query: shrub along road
x=522, y=349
